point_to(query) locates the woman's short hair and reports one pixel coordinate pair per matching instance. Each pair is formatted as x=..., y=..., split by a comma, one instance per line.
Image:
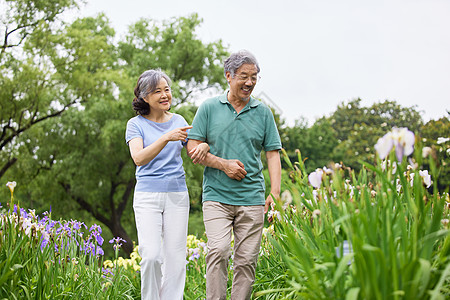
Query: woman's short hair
x=237, y=59
x=147, y=83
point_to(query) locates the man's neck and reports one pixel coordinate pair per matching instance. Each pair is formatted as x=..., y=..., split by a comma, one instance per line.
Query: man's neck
x=237, y=103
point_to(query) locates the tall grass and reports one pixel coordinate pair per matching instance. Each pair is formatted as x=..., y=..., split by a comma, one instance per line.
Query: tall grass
x=45, y=259
x=396, y=232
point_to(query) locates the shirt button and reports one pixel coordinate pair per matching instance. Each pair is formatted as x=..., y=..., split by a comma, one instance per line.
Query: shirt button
x=234, y=112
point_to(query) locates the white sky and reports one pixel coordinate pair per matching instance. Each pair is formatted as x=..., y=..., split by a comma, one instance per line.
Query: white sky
x=314, y=54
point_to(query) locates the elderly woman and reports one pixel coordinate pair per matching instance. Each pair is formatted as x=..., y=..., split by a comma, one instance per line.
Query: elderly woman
x=161, y=201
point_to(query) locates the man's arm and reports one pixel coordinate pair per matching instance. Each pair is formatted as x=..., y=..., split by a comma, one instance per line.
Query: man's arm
x=274, y=166
x=232, y=167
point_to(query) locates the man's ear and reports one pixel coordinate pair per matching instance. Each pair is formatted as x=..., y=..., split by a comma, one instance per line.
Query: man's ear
x=228, y=76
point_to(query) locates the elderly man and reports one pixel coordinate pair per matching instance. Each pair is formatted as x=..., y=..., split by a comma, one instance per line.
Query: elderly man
x=237, y=128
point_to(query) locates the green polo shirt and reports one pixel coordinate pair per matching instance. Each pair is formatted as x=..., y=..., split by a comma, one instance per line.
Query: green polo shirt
x=235, y=136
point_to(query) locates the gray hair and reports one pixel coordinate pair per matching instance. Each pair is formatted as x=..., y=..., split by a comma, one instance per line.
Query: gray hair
x=147, y=83
x=237, y=59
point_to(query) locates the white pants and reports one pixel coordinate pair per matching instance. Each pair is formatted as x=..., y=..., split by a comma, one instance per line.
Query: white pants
x=161, y=221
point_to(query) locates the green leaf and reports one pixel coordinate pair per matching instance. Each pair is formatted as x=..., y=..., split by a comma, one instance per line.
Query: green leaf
x=352, y=293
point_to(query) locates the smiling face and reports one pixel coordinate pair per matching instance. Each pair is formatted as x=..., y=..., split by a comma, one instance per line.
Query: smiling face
x=243, y=82
x=161, y=98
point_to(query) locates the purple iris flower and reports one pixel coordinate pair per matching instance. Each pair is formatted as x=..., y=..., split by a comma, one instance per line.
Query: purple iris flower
x=100, y=251
x=96, y=228
x=44, y=243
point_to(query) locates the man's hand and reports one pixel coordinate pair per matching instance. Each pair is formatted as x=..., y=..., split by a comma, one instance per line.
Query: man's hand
x=269, y=203
x=234, y=169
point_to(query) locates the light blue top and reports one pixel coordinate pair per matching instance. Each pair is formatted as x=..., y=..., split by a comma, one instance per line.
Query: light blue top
x=165, y=172
x=240, y=136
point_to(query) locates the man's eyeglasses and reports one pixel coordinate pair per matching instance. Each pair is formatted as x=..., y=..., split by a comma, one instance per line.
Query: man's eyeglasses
x=245, y=78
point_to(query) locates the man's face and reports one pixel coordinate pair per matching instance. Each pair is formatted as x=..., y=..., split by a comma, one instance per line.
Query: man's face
x=243, y=82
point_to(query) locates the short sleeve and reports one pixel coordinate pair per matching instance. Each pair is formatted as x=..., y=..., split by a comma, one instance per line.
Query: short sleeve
x=199, y=124
x=272, y=139
x=133, y=130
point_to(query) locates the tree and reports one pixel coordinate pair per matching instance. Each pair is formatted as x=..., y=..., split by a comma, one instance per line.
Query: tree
x=358, y=128
x=173, y=46
x=21, y=18
x=319, y=143
x=435, y=134
x=315, y=143
x=32, y=91
x=70, y=155
x=349, y=134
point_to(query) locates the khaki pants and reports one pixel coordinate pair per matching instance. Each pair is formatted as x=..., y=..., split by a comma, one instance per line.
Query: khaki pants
x=247, y=223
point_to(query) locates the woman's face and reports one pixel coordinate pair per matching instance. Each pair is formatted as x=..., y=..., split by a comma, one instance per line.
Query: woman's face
x=160, y=98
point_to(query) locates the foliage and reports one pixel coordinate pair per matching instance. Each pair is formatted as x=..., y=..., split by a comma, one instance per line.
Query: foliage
x=321, y=135
x=357, y=127
x=398, y=246
x=45, y=259
x=173, y=46
x=85, y=133
x=336, y=234
x=347, y=132
x=436, y=135
x=32, y=91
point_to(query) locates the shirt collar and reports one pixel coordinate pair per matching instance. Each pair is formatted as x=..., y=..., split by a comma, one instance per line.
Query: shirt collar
x=252, y=103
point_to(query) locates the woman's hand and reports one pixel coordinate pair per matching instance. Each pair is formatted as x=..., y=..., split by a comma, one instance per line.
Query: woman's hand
x=178, y=134
x=198, y=153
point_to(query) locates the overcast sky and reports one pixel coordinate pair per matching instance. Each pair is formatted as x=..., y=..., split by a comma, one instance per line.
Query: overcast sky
x=314, y=54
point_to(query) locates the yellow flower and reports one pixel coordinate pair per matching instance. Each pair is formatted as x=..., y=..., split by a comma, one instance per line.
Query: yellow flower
x=135, y=256
x=108, y=264
x=192, y=241
x=121, y=261
x=136, y=267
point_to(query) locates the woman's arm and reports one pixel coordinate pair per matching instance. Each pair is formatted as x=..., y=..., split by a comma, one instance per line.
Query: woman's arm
x=142, y=156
